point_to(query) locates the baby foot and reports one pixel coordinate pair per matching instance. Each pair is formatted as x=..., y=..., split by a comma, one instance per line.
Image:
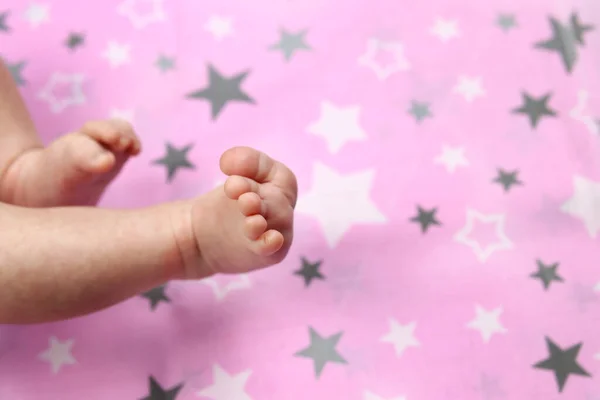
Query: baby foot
x=245, y=224
x=75, y=169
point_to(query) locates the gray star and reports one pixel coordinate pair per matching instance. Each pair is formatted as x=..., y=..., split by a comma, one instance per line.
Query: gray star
x=156, y=295
x=506, y=22
x=535, y=108
x=175, y=159
x=165, y=63
x=565, y=40
x=291, y=42
x=562, y=362
x=16, y=71
x=322, y=350
x=158, y=393
x=309, y=271
x=507, y=179
x=425, y=218
x=420, y=111
x=547, y=274
x=3, y=25
x=74, y=40
x=221, y=90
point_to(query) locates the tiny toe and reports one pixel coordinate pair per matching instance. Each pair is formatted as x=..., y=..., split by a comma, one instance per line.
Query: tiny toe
x=235, y=186
x=268, y=243
x=250, y=204
x=116, y=134
x=255, y=226
x=103, y=162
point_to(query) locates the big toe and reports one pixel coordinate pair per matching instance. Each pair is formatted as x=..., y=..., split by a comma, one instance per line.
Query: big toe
x=258, y=166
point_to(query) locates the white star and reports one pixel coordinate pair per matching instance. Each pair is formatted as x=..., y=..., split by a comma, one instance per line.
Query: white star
x=227, y=387
x=338, y=202
x=58, y=354
x=469, y=88
x=597, y=287
x=445, y=29
x=117, y=54
x=36, y=14
x=502, y=243
x=396, y=50
x=367, y=395
x=130, y=10
x=124, y=114
x=597, y=356
x=487, y=322
x=584, y=204
x=219, y=27
x=581, y=113
x=451, y=158
x=76, y=98
x=237, y=282
x=338, y=126
x=401, y=336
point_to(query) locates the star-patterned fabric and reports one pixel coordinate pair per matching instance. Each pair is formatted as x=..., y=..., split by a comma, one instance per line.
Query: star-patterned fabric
x=447, y=227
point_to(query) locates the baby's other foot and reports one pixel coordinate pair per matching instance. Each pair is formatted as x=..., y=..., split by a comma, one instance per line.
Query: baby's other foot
x=76, y=168
x=245, y=224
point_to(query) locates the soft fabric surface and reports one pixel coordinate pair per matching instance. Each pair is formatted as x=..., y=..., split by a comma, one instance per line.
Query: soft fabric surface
x=447, y=229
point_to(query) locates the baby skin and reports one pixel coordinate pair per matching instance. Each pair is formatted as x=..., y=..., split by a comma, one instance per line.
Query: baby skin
x=62, y=257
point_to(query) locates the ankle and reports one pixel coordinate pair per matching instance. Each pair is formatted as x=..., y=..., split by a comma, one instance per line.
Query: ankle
x=182, y=219
x=14, y=173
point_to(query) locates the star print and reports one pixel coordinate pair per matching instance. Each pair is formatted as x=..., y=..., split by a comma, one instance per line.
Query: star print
x=420, y=111
x=581, y=114
x=3, y=24
x=221, y=290
x=585, y=203
x=156, y=295
x=367, y=395
x=338, y=125
x=165, y=63
x=289, y=43
x=487, y=322
x=129, y=9
x=158, y=393
x=483, y=253
x=309, y=271
x=58, y=354
x=36, y=14
x=126, y=115
x=59, y=104
x=469, y=87
x=226, y=386
x=394, y=49
x=425, y=218
x=117, y=54
x=535, y=108
x=222, y=90
x=506, y=22
x=547, y=273
x=340, y=201
x=322, y=350
x=401, y=336
x=565, y=39
x=16, y=72
x=490, y=388
x=175, y=159
x=507, y=179
x=445, y=29
x=562, y=362
x=452, y=158
x=220, y=27
x=74, y=40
